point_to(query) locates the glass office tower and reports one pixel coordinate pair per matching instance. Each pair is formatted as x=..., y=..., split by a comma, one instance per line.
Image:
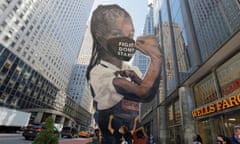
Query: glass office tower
x=200, y=42
x=39, y=42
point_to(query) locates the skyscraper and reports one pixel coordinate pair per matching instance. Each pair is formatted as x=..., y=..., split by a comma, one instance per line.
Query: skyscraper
x=140, y=60
x=46, y=34
x=214, y=22
x=200, y=43
x=84, y=59
x=78, y=87
x=84, y=55
x=39, y=45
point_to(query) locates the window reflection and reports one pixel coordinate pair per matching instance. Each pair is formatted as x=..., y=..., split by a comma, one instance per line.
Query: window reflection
x=180, y=39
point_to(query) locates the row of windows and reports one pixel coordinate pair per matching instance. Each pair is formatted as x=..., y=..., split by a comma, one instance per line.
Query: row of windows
x=22, y=87
x=35, y=33
x=220, y=21
x=227, y=78
x=18, y=80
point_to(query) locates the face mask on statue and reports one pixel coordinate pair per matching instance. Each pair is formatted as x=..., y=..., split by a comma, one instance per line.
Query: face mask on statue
x=122, y=48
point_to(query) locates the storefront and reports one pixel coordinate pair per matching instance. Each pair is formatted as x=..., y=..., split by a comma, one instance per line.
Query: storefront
x=174, y=124
x=217, y=98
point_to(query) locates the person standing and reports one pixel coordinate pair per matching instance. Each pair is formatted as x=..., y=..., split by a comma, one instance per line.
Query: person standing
x=222, y=139
x=235, y=138
x=140, y=136
x=197, y=139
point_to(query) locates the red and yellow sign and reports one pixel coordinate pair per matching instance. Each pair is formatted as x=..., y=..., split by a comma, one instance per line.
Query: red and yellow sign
x=219, y=105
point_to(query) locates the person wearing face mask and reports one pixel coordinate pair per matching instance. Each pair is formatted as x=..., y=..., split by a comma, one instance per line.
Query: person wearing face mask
x=116, y=86
x=235, y=138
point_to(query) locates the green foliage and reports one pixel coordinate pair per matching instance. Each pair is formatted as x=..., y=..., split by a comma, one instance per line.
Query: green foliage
x=47, y=135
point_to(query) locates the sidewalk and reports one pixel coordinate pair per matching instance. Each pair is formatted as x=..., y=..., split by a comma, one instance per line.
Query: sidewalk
x=75, y=141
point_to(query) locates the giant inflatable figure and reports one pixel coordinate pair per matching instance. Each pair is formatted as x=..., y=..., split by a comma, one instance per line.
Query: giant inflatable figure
x=118, y=87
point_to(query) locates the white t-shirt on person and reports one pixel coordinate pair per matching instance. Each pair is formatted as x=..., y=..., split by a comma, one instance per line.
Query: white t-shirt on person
x=101, y=77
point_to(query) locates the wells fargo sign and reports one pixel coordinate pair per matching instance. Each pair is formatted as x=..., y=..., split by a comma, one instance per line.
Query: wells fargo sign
x=219, y=105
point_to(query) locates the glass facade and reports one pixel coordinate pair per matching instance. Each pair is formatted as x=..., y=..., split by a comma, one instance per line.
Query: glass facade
x=199, y=39
x=180, y=39
x=221, y=124
x=218, y=107
x=229, y=76
x=21, y=87
x=205, y=91
x=215, y=21
x=174, y=123
x=179, y=52
x=140, y=60
x=168, y=49
x=39, y=43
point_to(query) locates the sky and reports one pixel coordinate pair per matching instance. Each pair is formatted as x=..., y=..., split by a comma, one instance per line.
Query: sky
x=138, y=9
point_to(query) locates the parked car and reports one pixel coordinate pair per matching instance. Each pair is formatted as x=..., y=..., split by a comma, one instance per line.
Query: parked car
x=84, y=134
x=31, y=131
x=69, y=132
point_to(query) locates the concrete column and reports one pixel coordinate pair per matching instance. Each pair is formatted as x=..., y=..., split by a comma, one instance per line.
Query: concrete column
x=162, y=125
x=67, y=122
x=54, y=117
x=38, y=118
x=62, y=120
x=186, y=105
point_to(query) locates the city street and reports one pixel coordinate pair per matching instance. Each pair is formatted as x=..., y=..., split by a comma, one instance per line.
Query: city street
x=75, y=141
x=13, y=139
x=19, y=139
x=78, y=64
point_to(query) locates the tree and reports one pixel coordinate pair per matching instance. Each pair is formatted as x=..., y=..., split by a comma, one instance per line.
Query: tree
x=47, y=135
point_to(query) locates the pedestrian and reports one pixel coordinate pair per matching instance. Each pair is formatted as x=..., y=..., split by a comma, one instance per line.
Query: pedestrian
x=121, y=132
x=221, y=139
x=97, y=136
x=197, y=139
x=235, y=138
x=151, y=139
x=140, y=136
x=116, y=86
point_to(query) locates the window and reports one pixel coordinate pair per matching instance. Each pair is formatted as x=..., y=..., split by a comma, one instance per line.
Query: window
x=24, y=54
x=17, y=36
x=8, y=1
x=3, y=97
x=31, y=27
x=6, y=38
x=228, y=75
x=21, y=15
x=22, y=28
x=13, y=44
x=29, y=58
x=17, y=22
x=23, y=42
x=205, y=91
x=28, y=32
x=19, y=49
x=10, y=31
x=26, y=22
x=15, y=8
x=3, y=24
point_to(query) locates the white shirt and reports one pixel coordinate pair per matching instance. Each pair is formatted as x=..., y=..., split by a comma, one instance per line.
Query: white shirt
x=101, y=77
